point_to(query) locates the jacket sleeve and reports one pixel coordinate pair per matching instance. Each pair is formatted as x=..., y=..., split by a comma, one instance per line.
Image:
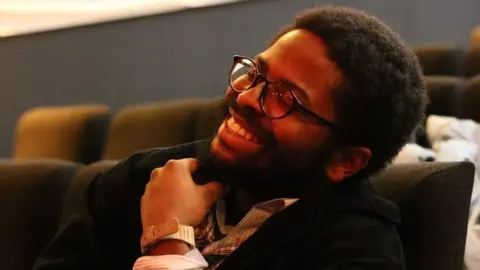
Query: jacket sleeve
x=359, y=242
x=98, y=236
x=74, y=247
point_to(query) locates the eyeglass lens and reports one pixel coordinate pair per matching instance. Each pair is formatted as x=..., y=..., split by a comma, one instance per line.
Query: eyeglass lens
x=277, y=99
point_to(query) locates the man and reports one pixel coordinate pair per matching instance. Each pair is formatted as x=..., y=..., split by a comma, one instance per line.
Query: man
x=283, y=184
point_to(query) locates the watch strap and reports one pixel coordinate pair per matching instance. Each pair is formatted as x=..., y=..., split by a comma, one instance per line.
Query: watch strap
x=184, y=233
x=170, y=229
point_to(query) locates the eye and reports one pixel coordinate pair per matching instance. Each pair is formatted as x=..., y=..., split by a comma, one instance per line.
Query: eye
x=251, y=74
x=299, y=96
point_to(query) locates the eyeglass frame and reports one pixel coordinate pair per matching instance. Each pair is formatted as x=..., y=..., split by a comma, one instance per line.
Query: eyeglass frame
x=296, y=104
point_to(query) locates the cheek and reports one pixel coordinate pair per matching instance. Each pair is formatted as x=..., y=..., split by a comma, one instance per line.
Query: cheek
x=298, y=137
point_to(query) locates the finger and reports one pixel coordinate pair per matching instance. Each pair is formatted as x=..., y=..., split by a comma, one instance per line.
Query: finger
x=148, y=186
x=212, y=191
x=155, y=173
x=191, y=164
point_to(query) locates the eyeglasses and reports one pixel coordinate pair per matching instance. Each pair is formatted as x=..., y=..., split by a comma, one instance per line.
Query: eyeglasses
x=277, y=99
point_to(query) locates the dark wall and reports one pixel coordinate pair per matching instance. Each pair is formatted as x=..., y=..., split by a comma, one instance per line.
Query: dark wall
x=184, y=54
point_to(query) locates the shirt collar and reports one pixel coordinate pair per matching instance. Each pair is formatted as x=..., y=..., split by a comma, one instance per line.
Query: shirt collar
x=271, y=206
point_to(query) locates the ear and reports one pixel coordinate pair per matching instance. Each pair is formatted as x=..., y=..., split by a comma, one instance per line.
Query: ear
x=347, y=162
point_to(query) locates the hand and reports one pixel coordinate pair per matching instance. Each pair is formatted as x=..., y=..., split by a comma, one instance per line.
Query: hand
x=172, y=193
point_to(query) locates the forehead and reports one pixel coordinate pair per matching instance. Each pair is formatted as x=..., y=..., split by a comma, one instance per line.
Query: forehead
x=301, y=57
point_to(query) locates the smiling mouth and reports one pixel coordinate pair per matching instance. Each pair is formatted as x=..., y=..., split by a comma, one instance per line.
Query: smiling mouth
x=237, y=130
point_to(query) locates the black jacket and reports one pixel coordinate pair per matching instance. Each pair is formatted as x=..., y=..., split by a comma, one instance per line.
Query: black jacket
x=345, y=226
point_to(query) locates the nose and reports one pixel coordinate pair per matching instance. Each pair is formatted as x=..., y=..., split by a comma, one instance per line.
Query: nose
x=251, y=98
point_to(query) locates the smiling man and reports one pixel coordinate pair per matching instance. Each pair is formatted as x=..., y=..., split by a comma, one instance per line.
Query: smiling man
x=283, y=184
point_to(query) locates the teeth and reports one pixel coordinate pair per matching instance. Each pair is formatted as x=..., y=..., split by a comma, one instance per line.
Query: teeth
x=233, y=126
x=236, y=127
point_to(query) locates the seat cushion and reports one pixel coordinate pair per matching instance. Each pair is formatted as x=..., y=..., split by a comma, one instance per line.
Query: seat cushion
x=434, y=201
x=31, y=195
x=94, y=136
x=141, y=127
x=208, y=120
x=471, y=99
x=445, y=93
x=75, y=198
x=63, y=132
x=471, y=65
x=440, y=59
x=475, y=36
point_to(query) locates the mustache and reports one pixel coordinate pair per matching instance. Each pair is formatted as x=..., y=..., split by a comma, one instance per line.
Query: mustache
x=230, y=103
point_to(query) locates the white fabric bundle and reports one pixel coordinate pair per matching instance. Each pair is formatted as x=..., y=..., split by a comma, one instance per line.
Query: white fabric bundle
x=455, y=150
x=442, y=128
x=458, y=140
x=412, y=152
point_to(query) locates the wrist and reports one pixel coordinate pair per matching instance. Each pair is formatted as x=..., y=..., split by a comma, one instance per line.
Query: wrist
x=169, y=247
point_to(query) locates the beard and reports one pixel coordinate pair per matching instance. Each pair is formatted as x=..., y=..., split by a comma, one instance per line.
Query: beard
x=281, y=177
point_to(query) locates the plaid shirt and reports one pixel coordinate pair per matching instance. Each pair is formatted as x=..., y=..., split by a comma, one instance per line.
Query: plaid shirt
x=216, y=240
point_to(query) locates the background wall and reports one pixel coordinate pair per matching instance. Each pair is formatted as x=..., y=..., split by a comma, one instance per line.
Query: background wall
x=184, y=54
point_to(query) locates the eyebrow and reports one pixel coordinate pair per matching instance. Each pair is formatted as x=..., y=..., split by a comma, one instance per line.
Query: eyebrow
x=264, y=69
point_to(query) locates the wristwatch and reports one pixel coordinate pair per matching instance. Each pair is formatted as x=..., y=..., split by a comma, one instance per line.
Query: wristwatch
x=170, y=229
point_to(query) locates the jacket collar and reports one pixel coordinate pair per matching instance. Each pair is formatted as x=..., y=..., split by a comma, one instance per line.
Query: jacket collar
x=305, y=218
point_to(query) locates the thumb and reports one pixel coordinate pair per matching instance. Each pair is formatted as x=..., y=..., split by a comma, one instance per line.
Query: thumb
x=212, y=192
